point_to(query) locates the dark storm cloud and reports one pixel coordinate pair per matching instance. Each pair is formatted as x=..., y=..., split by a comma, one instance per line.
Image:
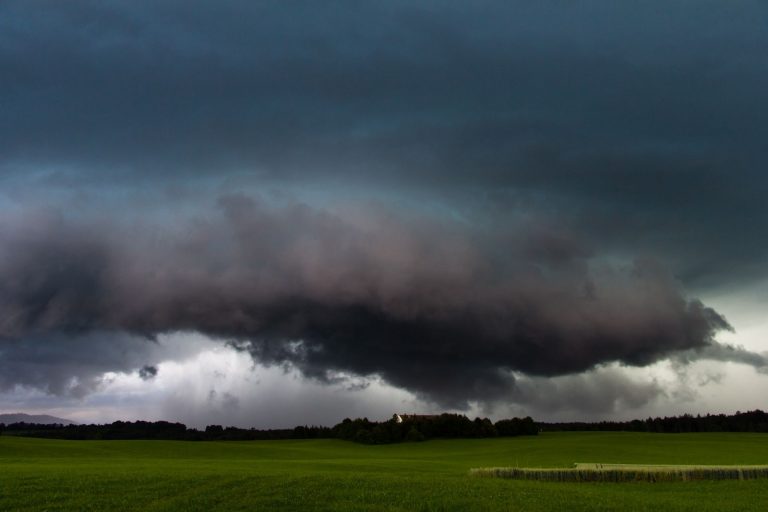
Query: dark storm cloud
x=437, y=307
x=189, y=84
x=641, y=122
x=727, y=353
x=560, y=136
x=66, y=364
x=148, y=372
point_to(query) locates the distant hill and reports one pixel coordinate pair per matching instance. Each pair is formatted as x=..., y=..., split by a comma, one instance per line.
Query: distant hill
x=45, y=419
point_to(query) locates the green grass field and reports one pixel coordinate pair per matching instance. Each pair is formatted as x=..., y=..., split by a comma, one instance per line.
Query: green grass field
x=39, y=474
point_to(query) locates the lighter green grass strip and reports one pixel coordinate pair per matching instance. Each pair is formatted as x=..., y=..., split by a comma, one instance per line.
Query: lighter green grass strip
x=596, y=472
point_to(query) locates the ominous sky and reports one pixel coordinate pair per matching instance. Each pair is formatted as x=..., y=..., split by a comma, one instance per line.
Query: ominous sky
x=271, y=213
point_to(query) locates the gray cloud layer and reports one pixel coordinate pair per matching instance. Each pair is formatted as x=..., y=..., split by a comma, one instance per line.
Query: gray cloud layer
x=597, y=394
x=433, y=306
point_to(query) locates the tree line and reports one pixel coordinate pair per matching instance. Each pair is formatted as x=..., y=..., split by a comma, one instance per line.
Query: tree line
x=420, y=428
x=750, y=421
x=423, y=428
x=357, y=430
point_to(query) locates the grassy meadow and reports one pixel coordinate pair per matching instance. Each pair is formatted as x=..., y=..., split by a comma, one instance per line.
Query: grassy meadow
x=41, y=474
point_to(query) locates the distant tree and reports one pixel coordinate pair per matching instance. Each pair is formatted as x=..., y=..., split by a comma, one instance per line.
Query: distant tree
x=414, y=436
x=363, y=436
x=214, y=431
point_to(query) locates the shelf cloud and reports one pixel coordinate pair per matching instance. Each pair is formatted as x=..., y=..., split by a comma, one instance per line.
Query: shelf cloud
x=439, y=308
x=468, y=201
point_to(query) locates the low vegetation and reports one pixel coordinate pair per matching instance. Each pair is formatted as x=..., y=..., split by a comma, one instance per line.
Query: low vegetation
x=626, y=473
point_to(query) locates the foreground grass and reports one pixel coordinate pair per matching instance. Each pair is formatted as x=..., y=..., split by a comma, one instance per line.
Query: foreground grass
x=38, y=474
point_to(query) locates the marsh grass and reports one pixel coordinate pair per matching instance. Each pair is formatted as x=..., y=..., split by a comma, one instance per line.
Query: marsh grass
x=595, y=472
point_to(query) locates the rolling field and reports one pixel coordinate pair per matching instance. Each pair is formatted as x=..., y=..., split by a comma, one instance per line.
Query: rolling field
x=40, y=474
